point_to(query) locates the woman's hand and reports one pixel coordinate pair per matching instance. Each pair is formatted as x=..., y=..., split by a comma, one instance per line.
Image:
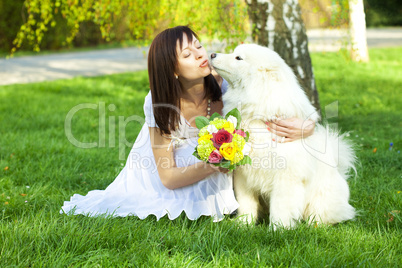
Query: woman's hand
x=291, y=129
x=218, y=169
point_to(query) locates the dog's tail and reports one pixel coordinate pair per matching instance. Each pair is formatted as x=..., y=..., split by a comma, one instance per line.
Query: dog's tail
x=332, y=148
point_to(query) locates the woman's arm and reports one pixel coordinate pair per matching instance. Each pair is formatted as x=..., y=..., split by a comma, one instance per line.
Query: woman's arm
x=291, y=129
x=173, y=177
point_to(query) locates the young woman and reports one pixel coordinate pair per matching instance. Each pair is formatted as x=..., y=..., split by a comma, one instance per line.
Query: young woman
x=161, y=176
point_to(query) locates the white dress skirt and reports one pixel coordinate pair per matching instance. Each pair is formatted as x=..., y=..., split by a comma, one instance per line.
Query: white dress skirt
x=138, y=190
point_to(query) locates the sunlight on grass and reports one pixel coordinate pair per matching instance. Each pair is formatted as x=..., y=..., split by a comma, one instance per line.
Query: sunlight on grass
x=40, y=168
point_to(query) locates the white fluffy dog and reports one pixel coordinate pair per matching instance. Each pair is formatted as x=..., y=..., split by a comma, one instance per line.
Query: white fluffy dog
x=303, y=179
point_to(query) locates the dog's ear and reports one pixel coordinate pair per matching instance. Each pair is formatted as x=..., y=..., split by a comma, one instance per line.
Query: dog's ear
x=272, y=72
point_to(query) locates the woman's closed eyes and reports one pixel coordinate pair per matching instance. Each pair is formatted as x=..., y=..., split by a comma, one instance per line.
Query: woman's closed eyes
x=197, y=45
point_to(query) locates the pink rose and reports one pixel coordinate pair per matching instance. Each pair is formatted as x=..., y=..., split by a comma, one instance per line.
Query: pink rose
x=215, y=157
x=240, y=132
x=221, y=137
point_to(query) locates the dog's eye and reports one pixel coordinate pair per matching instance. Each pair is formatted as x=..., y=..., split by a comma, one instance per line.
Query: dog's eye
x=238, y=58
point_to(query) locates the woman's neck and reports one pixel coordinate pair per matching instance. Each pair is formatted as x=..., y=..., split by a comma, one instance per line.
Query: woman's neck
x=194, y=91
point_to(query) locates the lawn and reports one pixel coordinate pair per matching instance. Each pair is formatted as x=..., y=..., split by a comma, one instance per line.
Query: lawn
x=40, y=168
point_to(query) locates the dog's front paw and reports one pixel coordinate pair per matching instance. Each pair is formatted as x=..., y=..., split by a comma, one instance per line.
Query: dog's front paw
x=247, y=219
x=288, y=223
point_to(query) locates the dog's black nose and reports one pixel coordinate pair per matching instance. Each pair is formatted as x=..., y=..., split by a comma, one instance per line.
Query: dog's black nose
x=213, y=55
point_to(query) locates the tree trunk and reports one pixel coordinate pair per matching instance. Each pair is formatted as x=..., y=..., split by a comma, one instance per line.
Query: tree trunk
x=357, y=23
x=278, y=25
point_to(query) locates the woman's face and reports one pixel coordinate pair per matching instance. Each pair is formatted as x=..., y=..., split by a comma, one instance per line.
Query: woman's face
x=192, y=60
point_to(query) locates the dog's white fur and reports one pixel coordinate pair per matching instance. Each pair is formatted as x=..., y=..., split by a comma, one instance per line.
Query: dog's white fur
x=303, y=179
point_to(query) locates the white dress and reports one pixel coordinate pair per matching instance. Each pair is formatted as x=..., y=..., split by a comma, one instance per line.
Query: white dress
x=138, y=190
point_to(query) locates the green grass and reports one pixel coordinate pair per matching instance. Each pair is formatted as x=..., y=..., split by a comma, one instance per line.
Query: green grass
x=40, y=168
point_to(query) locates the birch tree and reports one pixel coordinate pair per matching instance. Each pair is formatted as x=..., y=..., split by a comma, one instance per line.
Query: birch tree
x=357, y=22
x=278, y=25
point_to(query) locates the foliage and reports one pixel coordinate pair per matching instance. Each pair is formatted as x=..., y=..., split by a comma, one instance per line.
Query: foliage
x=383, y=13
x=13, y=15
x=378, y=13
x=340, y=13
x=325, y=13
x=35, y=153
x=222, y=19
x=10, y=21
x=335, y=13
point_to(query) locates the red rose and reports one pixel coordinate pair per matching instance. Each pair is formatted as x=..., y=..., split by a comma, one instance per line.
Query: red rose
x=221, y=137
x=240, y=132
x=215, y=157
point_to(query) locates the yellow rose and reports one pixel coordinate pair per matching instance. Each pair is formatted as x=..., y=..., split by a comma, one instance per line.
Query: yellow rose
x=206, y=137
x=229, y=127
x=228, y=150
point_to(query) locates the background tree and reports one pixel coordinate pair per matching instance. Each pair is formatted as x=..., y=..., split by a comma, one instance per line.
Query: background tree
x=357, y=22
x=278, y=25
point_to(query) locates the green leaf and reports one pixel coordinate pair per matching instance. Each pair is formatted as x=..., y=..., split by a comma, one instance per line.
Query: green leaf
x=225, y=164
x=215, y=115
x=196, y=155
x=246, y=160
x=236, y=113
x=247, y=136
x=201, y=121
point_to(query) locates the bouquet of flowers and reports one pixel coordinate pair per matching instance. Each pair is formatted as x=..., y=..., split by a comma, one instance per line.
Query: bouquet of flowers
x=221, y=141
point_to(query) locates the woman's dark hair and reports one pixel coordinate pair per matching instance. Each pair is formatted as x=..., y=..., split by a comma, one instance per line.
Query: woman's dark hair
x=165, y=88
